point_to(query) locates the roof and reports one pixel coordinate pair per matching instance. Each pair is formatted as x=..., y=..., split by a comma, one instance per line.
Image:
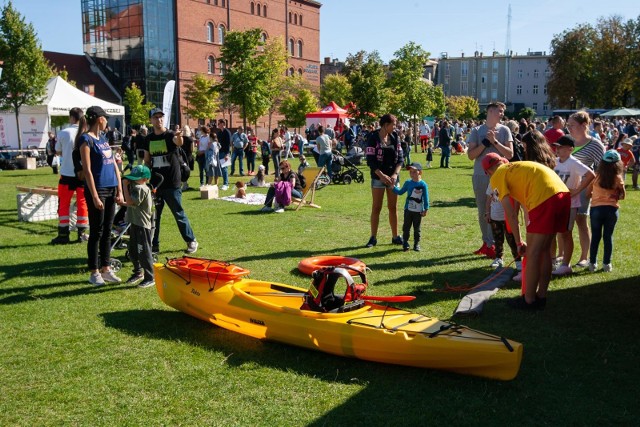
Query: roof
x=80, y=71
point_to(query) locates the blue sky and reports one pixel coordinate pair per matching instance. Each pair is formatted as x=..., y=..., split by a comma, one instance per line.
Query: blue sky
x=347, y=26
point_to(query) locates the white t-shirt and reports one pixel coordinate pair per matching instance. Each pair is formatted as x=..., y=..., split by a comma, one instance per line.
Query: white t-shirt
x=66, y=140
x=571, y=172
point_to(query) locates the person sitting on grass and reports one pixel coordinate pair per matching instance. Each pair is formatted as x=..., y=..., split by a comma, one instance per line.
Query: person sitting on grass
x=547, y=199
x=139, y=203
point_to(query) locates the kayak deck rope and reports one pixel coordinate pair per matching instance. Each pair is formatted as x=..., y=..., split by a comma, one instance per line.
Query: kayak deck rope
x=187, y=281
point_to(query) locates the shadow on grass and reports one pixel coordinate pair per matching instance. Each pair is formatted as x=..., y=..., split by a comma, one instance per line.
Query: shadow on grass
x=577, y=365
x=51, y=268
x=28, y=294
x=468, y=202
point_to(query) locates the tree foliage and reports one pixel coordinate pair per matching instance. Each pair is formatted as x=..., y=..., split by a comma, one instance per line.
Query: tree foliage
x=278, y=85
x=201, y=101
x=25, y=69
x=462, y=107
x=596, y=66
x=138, y=109
x=294, y=108
x=367, y=76
x=336, y=88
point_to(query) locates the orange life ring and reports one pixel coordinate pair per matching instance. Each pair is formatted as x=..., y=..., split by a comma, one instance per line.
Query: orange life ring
x=208, y=268
x=311, y=264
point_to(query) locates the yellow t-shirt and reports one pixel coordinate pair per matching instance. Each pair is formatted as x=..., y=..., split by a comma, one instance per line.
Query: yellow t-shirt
x=530, y=183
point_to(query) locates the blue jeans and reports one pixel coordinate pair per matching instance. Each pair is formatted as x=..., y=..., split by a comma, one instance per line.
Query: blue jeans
x=326, y=159
x=173, y=198
x=275, y=156
x=225, y=170
x=237, y=154
x=251, y=161
x=445, y=155
x=603, y=221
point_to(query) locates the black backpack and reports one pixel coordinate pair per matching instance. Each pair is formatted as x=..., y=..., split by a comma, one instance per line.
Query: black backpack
x=183, y=160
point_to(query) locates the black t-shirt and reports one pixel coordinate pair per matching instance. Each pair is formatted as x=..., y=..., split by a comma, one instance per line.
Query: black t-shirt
x=224, y=138
x=288, y=177
x=164, y=159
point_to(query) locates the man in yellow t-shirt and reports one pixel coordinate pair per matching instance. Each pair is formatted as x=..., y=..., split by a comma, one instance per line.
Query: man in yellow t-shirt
x=548, y=202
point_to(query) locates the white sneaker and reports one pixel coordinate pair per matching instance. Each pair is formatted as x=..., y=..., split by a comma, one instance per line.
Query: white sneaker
x=517, y=277
x=583, y=263
x=108, y=276
x=224, y=187
x=519, y=265
x=562, y=270
x=498, y=262
x=192, y=247
x=279, y=210
x=96, y=279
x=593, y=267
x=607, y=268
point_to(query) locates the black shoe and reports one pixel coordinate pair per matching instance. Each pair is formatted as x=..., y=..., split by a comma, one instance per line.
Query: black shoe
x=135, y=278
x=372, y=242
x=155, y=249
x=147, y=283
x=60, y=240
x=405, y=247
x=520, y=303
x=416, y=248
x=396, y=240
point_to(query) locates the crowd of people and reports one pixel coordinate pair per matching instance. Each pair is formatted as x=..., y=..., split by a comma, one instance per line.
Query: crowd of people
x=543, y=176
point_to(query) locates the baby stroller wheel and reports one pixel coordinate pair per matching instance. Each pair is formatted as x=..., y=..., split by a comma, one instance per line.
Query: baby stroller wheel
x=116, y=264
x=347, y=179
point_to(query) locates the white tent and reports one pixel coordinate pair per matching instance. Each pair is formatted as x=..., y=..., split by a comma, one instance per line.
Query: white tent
x=35, y=120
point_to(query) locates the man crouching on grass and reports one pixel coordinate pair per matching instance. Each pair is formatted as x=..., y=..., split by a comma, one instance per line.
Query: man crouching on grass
x=548, y=202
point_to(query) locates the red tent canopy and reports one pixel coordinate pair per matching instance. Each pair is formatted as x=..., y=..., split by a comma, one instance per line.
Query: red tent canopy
x=330, y=111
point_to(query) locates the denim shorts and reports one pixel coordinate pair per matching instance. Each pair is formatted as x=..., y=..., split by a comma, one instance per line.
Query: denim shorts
x=376, y=183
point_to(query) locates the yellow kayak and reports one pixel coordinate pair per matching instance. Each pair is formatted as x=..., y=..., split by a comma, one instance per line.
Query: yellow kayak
x=364, y=330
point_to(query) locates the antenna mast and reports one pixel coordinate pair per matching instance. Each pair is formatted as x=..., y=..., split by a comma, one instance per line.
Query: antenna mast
x=507, y=44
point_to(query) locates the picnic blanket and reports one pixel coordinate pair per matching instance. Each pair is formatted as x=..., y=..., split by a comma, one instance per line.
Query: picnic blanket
x=473, y=302
x=251, y=199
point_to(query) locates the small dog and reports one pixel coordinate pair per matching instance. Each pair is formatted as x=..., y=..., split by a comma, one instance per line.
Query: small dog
x=241, y=192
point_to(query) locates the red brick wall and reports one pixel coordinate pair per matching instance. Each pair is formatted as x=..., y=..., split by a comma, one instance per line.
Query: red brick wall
x=194, y=49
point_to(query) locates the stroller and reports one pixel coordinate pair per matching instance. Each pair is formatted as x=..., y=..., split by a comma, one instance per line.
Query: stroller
x=344, y=171
x=120, y=230
x=355, y=155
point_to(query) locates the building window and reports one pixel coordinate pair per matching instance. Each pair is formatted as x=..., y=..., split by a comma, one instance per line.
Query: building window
x=209, y=32
x=290, y=71
x=547, y=73
x=300, y=71
x=299, y=48
x=300, y=20
x=464, y=68
x=224, y=3
x=545, y=107
x=290, y=18
x=494, y=94
x=253, y=8
x=495, y=65
x=483, y=95
x=259, y=9
x=535, y=106
x=536, y=74
x=519, y=74
x=215, y=2
x=264, y=11
x=211, y=65
x=545, y=89
x=263, y=37
x=519, y=90
x=464, y=88
x=221, y=67
x=291, y=46
x=221, y=32
x=494, y=79
x=295, y=19
x=535, y=89
x=485, y=64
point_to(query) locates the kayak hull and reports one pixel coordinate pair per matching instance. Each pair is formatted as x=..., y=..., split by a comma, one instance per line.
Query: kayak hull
x=268, y=311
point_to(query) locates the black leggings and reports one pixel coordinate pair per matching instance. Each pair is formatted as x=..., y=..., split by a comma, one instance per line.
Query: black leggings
x=100, y=223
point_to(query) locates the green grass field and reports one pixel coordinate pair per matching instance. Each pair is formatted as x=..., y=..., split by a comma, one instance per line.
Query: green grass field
x=72, y=354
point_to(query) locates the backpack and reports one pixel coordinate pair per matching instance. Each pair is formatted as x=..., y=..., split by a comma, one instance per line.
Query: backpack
x=283, y=193
x=237, y=141
x=518, y=151
x=183, y=160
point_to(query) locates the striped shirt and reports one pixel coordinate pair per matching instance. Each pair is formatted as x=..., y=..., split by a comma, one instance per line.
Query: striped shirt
x=590, y=154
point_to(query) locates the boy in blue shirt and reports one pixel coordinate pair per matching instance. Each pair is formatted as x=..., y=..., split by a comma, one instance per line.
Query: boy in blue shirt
x=415, y=207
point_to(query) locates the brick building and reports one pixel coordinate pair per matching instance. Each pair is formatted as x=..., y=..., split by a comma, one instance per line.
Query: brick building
x=150, y=42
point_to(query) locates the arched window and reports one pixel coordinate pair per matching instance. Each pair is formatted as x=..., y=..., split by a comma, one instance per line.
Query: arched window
x=221, y=67
x=211, y=65
x=295, y=19
x=224, y=3
x=253, y=8
x=300, y=71
x=263, y=37
x=300, y=20
x=210, y=32
x=291, y=46
x=299, y=48
x=290, y=18
x=221, y=31
x=259, y=9
x=264, y=10
x=291, y=71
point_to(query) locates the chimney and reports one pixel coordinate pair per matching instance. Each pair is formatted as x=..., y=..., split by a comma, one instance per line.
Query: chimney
x=327, y=60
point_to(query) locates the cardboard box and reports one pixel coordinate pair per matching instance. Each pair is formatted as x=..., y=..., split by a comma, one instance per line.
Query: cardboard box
x=209, y=192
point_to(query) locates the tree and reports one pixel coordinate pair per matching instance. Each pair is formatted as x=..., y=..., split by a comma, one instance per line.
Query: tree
x=366, y=74
x=462, y=107
x=25, y=69
x=527, y=113
x=201, y=101
x=138, y=112
x=295, y=108
x=336, y=88
x=276, y=82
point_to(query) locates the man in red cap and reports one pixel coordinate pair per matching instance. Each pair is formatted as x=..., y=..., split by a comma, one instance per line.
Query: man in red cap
x=548, y=202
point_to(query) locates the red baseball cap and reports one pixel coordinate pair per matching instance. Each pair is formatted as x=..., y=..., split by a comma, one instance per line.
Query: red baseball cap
x=492, y=159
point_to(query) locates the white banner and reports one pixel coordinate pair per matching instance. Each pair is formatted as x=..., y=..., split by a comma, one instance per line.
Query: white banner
x=167, y=101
